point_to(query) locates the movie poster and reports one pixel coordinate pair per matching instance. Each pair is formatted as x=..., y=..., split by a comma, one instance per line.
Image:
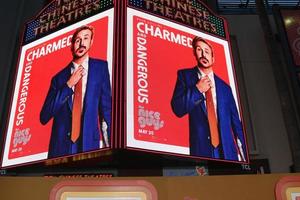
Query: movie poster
x=27, y=139
x=156, y=50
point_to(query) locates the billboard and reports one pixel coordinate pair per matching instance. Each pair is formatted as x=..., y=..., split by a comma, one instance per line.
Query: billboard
x=181, y=97
x=167, y=110
x=42, y=105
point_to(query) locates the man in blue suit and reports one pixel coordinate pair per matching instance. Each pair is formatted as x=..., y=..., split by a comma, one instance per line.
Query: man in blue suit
x=215, y=126
x=79, y=101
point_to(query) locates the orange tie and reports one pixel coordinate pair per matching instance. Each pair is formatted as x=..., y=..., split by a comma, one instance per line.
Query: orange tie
x=76, y=112
x=212, y=119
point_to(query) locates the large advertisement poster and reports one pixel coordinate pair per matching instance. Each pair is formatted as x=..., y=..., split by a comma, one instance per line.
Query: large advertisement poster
x=40, y=120
x=167, y=106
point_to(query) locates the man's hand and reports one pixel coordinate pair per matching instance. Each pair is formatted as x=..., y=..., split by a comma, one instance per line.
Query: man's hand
x=204, y=84
x=241, y=156
x=76, y=76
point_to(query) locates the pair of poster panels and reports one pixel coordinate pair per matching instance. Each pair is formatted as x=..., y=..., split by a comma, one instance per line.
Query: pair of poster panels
x=156, y=50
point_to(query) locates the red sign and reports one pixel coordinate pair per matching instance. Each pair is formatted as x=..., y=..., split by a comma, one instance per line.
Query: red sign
x=27, y=139
x=156, y=50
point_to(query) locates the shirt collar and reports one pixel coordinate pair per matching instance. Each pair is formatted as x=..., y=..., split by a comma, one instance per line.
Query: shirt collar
x=210, y=74
x=85, y=64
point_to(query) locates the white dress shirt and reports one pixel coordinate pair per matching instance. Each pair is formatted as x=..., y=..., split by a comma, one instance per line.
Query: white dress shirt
x=213, y=88
x=104, y=142
x=85, y=65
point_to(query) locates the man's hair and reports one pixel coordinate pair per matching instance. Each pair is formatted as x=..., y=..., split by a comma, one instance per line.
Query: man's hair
x=84, y=27
x=200, y=39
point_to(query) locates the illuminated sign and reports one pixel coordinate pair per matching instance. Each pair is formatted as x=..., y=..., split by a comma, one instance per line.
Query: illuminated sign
x=40, y=123
x=104, y=190
x=181, y=96
x=167, y=87
x=62, y=13
x=189, y=12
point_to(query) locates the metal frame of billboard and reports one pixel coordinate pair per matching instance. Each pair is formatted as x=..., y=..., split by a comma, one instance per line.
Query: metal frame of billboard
x=212, y=28
x=43, y=44
x=159, y=16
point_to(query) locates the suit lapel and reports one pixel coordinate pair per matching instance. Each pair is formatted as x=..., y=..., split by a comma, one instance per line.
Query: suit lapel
x=194, y=80
x=70, y=100
x=88, y=85
x=219, y=93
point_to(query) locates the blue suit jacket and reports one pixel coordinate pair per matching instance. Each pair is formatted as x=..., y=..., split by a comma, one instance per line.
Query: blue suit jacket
x=96, y=107
x=188, y=100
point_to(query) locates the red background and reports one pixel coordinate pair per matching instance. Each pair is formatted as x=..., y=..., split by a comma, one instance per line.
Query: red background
x=43, y=69
x=164, y=59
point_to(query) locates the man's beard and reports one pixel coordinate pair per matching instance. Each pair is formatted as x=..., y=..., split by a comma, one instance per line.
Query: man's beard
x=200, y=63
x=81, y=48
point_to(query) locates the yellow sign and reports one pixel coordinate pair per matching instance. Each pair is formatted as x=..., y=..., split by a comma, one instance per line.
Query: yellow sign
x=104, y=190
